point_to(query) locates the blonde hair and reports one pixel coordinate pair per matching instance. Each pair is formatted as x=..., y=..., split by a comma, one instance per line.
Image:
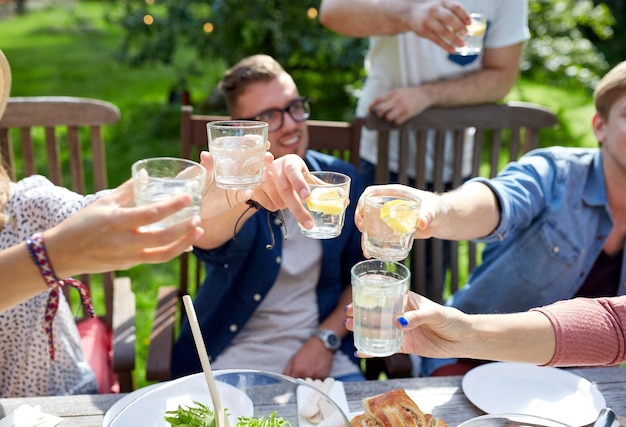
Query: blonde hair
x=610, y=87
x=252, y=69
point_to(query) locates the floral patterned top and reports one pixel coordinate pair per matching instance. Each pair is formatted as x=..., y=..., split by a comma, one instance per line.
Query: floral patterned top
x=35, y=205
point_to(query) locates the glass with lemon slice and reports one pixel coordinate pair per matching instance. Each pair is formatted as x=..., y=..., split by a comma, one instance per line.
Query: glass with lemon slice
x=475, y=36
x=330, y=192
x=379, y=290
x=389, y=224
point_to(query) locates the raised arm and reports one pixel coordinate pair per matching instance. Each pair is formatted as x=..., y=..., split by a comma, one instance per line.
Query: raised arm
x=468, y=212
x=575, y=332
x=437, y=20
x=104, y=236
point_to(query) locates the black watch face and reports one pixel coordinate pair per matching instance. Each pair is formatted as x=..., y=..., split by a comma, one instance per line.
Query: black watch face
x=333, y=341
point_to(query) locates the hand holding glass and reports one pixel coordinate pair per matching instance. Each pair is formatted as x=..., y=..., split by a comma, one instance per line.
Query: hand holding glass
x=238, y=147
x=161, y=178
x=389, y=223
x=475, y=36
x=330, y=192
x=379, y=290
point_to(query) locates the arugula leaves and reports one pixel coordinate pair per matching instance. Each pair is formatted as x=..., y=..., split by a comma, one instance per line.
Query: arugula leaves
x=203, y=416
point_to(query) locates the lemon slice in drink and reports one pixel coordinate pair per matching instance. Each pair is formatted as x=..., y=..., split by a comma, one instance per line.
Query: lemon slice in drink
x=476, y=28
x=369, y=300
x=327, y=201
x=400, y=215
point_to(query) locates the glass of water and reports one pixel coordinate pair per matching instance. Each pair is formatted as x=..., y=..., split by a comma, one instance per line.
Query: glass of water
x=327, y=203
x=389, y=223
x=379, y=290
x=161, y=178
x=238, y=147
x=475, y=36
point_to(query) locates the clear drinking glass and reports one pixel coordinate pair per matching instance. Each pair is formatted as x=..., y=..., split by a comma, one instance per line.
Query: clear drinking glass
x=475, y=36
x=238, y=147
x=379, y=290
x=330, y=192
x=389, y=223
x=161, y=178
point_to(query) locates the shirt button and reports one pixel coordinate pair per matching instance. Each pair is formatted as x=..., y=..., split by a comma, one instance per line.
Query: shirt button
x=233, y=328
x=257, y=297
x=556, y=249
x=226, y=266
x=278, y=260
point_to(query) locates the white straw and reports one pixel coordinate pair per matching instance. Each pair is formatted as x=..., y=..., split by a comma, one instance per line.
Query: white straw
x=204, y=361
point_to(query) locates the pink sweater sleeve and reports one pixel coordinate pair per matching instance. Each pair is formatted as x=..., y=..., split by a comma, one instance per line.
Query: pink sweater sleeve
x=589, y=332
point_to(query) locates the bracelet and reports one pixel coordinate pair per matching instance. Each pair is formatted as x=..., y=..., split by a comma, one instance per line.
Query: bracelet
x=39, y=255
x=251, y=205
x=256, y=205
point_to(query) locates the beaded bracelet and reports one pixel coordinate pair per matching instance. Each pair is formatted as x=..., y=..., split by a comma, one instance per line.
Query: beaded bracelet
x=39, y=255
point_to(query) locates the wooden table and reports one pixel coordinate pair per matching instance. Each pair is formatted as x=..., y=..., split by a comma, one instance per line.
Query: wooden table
x=441, y=396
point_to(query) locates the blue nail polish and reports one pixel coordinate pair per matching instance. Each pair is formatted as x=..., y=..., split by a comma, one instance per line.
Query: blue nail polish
x=345, y=308
x=403, y=321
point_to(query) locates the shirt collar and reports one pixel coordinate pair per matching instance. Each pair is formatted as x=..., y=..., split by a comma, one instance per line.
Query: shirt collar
x=594, y=193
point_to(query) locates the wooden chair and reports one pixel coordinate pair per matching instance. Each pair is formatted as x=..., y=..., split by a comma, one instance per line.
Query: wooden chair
x=503, y=133
x=44, y=135
x=336, y=138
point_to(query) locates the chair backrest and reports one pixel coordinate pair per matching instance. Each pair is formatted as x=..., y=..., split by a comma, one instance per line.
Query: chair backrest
x=39, y=145
x=61, y=138
x=503, y=133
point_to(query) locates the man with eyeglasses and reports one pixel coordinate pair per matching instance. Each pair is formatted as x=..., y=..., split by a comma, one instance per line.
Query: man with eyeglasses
x=274, y=299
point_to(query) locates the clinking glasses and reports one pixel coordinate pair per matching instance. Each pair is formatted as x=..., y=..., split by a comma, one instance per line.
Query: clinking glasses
x=299, y=110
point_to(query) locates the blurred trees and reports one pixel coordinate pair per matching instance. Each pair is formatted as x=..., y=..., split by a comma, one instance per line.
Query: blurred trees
x=178, y=32
x=563, y=48
x=572, y=42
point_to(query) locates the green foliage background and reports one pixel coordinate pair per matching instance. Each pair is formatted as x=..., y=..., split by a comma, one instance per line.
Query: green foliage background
x=328, y=66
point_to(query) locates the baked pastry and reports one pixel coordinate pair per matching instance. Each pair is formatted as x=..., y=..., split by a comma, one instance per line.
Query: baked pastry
x=394, y=409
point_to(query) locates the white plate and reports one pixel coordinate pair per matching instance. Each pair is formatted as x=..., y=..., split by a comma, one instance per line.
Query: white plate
x=504, y=420
x=532, y=390
x=147, y=406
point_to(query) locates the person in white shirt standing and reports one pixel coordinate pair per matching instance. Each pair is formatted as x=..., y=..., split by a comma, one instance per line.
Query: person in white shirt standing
x=411, y=63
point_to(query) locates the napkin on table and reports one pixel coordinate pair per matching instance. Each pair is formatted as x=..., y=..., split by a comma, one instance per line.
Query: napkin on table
x=29, y=416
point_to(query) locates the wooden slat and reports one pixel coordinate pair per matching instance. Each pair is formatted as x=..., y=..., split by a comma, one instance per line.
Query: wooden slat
x=159, y=359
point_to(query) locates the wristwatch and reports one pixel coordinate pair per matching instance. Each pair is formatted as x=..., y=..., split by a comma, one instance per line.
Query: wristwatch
x=329, y=338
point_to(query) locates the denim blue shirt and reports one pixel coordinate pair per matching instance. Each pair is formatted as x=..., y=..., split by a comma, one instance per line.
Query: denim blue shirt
x=554, y=221
x=240, y=273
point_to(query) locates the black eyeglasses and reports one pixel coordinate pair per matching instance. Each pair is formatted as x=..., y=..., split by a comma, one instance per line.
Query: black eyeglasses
x=299, y=110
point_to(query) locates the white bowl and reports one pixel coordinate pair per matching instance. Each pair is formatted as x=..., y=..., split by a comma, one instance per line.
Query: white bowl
x=147, y=407
x=242, y=392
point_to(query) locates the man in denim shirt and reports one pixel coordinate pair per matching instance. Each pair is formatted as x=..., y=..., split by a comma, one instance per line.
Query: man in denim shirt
x=270, y=302
x=554, y=221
